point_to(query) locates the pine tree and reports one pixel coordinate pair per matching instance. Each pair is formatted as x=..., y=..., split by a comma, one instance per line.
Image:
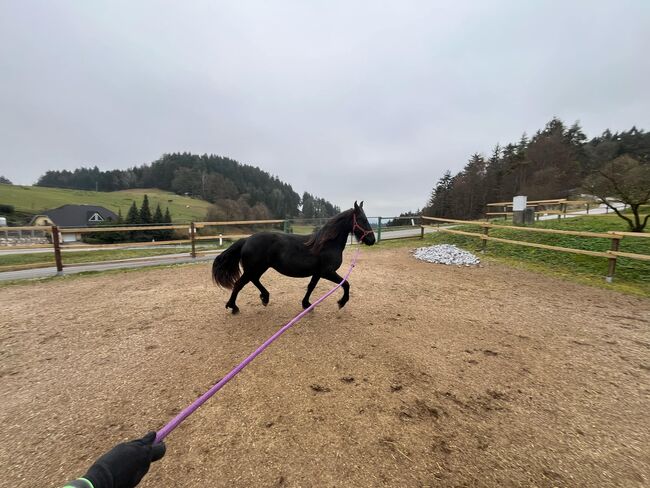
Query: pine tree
x=439, y=204
x=145, y=211
x=158, y=215
x=133, y=217
x=158, y=219
x=167, y=219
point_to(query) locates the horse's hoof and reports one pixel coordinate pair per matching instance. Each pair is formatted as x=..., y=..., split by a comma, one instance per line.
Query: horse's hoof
x=306, y=305
x=235, y=310
x=265, y=300
x=341, y=304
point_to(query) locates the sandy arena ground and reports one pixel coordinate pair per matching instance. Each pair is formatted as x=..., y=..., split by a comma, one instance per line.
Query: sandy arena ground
x=430, y=376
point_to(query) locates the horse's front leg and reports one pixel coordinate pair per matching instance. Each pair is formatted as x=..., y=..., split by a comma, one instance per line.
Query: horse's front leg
x=336, y=278
x=310, y=289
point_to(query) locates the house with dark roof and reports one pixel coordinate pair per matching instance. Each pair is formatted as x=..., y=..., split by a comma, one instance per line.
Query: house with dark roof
x=74, y=216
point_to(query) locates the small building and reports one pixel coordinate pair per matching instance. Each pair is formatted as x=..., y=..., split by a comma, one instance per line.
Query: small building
x=74, y=216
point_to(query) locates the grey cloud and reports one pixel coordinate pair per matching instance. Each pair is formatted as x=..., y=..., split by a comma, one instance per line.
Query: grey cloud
x=347, y=100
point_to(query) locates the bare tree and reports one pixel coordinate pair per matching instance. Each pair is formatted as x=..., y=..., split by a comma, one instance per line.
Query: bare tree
x=627, y=180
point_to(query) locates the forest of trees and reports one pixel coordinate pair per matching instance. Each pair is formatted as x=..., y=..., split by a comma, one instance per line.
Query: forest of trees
x=238, y=191
x=135, y=216
x=554, y=163
x=316, y=208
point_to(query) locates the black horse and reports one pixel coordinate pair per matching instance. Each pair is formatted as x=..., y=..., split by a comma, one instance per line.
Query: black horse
x=318, y=255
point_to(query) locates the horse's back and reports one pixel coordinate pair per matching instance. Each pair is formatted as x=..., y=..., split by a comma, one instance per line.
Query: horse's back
x=286, y=253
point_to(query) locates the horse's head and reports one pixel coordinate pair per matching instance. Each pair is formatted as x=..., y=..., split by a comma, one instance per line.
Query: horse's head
x=361, y=227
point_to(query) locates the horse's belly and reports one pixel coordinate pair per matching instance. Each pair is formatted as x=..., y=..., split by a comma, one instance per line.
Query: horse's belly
x=294, y=271
x=295, y=264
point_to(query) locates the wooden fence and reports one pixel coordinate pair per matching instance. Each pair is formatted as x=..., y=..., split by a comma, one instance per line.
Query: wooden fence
x=192, y=234
x=191, y=229
x=611, y=254
x=561, y=208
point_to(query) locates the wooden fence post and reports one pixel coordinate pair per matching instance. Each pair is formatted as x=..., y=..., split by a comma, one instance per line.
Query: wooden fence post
x=421, y=229
x=192, y=240
x=57, y=250
x=612, y=260
x=486, y=229
x=378, y=229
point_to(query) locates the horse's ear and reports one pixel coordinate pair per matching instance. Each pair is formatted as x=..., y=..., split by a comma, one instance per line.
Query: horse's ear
x=356, y=207
x=361, y=206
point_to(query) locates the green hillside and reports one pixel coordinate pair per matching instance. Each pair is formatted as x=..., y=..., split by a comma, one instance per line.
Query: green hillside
x=33, y=199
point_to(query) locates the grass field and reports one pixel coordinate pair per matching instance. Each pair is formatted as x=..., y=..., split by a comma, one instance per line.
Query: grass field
x=32, y=199
x=303, y=229
x=631, y=275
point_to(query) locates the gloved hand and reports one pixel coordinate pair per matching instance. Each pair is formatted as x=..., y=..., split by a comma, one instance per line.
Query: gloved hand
x=125, y=464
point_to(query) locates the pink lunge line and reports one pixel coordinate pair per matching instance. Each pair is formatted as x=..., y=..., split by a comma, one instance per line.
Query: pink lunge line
x=189, y=410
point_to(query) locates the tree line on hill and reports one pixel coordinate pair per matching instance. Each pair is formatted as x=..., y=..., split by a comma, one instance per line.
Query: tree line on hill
x=238, y=191
x=135, y=216
x=556, y=162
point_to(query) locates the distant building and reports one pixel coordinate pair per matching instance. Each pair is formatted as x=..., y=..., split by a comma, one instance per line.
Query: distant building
x=74, y=216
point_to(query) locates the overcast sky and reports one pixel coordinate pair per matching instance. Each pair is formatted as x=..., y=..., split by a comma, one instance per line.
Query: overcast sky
x=347, y=100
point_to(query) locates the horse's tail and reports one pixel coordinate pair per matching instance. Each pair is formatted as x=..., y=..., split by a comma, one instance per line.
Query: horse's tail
x=225, y=269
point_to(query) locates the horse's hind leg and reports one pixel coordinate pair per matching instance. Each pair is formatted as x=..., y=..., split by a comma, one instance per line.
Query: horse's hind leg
x=264, y=293
x=336, y=278
x=310, y=289
x=231, y=303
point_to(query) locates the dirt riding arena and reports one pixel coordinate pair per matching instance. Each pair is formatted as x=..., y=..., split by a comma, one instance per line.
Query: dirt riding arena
x=430, y=376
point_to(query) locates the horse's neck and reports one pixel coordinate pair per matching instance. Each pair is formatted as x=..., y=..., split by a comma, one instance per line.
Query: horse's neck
x=342, y=239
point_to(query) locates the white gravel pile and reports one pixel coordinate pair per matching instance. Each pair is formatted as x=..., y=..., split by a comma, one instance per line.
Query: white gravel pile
x=446, y=254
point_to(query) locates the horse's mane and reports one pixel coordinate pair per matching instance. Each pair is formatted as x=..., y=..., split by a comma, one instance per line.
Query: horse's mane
x=333, y=228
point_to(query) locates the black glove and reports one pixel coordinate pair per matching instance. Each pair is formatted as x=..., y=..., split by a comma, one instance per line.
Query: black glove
x=126, y=464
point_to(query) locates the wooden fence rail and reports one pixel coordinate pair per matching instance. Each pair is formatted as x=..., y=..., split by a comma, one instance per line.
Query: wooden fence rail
x=611, y=254
x=561, y=207
x=192, y=238
x=190, y=229
x=238, y=222
x=45, y=228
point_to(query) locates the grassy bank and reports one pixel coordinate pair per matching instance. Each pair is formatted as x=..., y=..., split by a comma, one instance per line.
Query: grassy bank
x=32, y=199
x=632, y=276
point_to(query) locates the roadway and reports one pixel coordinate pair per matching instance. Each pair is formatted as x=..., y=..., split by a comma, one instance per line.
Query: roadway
x=27, y=274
